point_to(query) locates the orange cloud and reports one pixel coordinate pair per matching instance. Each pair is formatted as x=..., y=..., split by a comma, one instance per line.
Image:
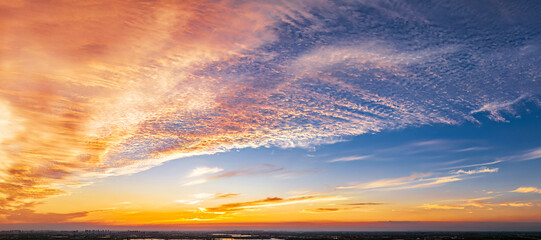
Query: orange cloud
x=443, y=207
x=26, y=215
x=271, y=202
x=83, y=84
x=342, y=209
x=477, y=203
x=364, y=204
x=225, y=195
x=527, y=190
x=325, y=210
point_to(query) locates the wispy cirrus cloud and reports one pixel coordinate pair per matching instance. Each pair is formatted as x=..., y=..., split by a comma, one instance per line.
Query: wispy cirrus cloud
x=497, y=108
x=199, y=171
x=256, y=170
x=418, y=180
x=349, y=158
x=385, y=183
x=473, y=165
x=476, y=203
x=531, y=154
x=470, y=149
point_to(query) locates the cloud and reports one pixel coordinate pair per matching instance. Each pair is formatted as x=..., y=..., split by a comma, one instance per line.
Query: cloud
x=92, y=89
x=350, y=158
x=527, y=190
x=389, y=182
x=184, y=201
x=416, y=180
x=85, y=95
x=474, y=165
x=496, y=108
x=477, y=171
x=516, y=204
x=469, y=149
x=25, y=215
x=200, y=197
x=364, y=204
x=215, y=195
x=291, y=174
x=204, y=170
x=432, y=145
x=437, y=206
x=527, y=155
x=531, y=154
x=272, y=202
x=225, y=195
x=323, y=210
x=476, y=203
x=357, y=206
x=256, y=170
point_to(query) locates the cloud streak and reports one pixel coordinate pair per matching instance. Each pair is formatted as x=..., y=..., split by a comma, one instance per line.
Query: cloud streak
x=203, y=171
x=350, y=158
x=256, y=170
x=418, y=180
x=527, y=190
x=272, y=202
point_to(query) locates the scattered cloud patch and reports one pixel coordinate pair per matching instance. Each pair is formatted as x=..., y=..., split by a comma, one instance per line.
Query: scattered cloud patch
x=495, y=109
x=476, y=171
x=256, y=170
x=204, y=170
x=527, y=190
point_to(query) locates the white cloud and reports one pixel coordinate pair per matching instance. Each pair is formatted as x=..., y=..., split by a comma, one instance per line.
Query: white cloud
x=476, y=171
x=204, y=170
x=474, y=165
x=496, y=108
x=350, y=158
x=531, y=155
x=417, y=180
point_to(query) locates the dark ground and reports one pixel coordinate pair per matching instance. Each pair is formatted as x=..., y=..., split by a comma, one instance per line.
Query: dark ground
x=132, y=235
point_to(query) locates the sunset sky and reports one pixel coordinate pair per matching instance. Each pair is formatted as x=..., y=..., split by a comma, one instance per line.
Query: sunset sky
x=328, y=115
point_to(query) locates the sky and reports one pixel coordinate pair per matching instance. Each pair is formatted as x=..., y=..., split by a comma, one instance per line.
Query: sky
x=327, y=115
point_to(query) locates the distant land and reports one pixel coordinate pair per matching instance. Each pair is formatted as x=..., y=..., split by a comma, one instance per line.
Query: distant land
x=259, y=235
